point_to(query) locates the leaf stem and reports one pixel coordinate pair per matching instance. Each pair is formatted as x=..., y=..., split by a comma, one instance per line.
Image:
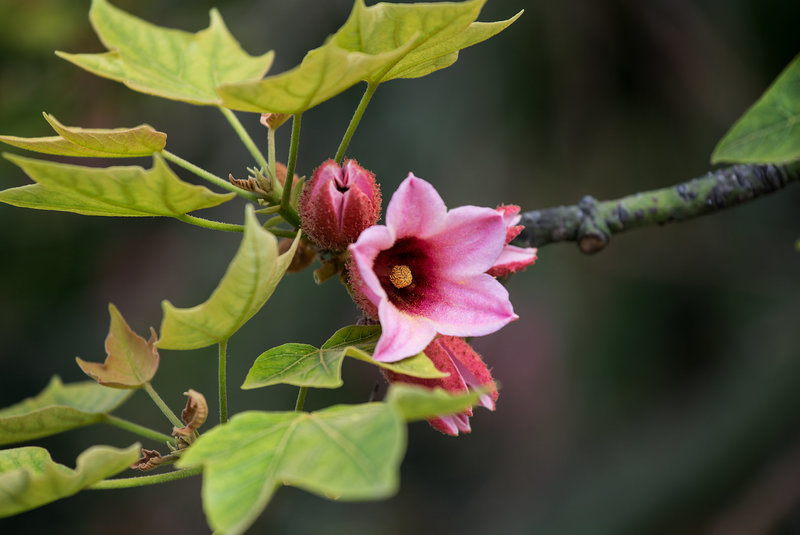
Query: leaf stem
x=202, y=173
x=223, y=384
x=161, y=405
x=301, y=398
x=207, y=223
x=288, y=213
x=141, y=481
x=351, y=128
x=244, y=136
x=283, y=233
x=136, y=428
x=271, y=151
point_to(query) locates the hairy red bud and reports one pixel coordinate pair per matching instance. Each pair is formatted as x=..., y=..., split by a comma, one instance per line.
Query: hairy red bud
x=338, y=203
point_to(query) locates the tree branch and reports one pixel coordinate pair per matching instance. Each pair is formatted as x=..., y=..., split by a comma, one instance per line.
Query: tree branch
x=591, y=223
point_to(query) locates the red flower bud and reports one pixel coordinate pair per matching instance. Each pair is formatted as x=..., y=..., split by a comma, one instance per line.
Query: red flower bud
x=453, y=355
x=338, y=204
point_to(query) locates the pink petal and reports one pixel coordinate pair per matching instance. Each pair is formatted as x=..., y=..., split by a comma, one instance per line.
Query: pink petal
x=371, y=242
x=416, y=209
x=403, y=334
x=470, y=240
x=468, y=306
x=513, y=259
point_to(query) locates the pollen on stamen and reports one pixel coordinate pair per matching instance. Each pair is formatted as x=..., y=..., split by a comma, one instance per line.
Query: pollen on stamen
x=400, y=276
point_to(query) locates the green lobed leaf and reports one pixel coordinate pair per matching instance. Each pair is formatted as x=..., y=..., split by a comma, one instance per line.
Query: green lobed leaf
x=58, y=408
x=769, y=132
x=435, y=31
x=131, y=360
x=127, y=191
x=248, y=282
x=324, y=73
x=168, y=63
x=29, y=478
x=142, y=140
x=418, y=403
x=342, y=452
x=305, y=365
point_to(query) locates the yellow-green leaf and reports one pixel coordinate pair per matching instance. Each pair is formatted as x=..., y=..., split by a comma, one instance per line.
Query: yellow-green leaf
x=305, y=365
x=142, y=140
x=58, y=408
x=436, y=32
x=29, y=478
x=324, y=73
x=342, y=452
x=769, y=132
x=131, y=360
x=416, y=403
x=165, y=62
x=248, y=282
x=128, y=191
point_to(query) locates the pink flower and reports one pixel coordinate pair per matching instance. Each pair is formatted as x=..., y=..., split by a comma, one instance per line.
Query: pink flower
x=338, y=203
x=513, y=258
x=424, y=272
x=467, y=371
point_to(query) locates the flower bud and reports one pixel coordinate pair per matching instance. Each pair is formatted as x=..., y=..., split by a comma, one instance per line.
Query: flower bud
x=452, y=355
x=338, y=203
x=274, y=120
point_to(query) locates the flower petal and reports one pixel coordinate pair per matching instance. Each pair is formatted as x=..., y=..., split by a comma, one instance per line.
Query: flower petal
x=416, y=209
x=468, y=306
x=403, y=335
x=371, y=242
x=470, y=241
x=513, y=259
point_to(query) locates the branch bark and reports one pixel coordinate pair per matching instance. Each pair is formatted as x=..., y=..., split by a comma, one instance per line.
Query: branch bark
x=591, y=223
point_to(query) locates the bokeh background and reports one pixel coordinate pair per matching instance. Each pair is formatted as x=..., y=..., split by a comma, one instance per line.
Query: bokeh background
x=653, y=388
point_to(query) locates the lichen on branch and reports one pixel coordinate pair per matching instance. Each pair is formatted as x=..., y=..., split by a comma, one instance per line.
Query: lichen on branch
x=591, y=223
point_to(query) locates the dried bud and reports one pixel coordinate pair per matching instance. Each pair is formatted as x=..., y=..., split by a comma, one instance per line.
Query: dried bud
x=274, y=120
x=302, y=258
x=194, y=415
x=338, y=204
x=149, y=460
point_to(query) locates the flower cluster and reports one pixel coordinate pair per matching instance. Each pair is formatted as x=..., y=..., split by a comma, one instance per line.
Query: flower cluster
x=428, y=275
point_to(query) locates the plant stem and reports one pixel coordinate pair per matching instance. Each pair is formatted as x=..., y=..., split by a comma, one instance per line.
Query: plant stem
x=283, y=233
x=351, y=128
x=591, y=223
x=202, y=173
x=207, y=223
x=223, y=385
x=301, y=398
x=136, y=428
x=141, y=481
x=287, y=211
x=271, y=151
x=163, y=406
x=244, y=136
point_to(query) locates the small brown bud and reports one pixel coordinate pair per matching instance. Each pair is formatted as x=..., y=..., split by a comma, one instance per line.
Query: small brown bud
x=149, y=460
x=303, y=255
x=274, y=120
x=194, y=415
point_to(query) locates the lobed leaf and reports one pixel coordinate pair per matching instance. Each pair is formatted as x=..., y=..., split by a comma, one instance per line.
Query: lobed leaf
x=769, y=132
x=165, y=62
x=29, y=478
x=415, y=403
x=58, y=408
x=131, y=360
x=324, y=73
x=142, y=140
x=305, y=365
x=342, y=452
x=248, y=282
x=126, y=191
x=434, y=31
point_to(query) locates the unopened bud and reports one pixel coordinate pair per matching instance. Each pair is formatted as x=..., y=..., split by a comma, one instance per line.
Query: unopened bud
x=338, y=203
x=303, y=255
x=274, y=120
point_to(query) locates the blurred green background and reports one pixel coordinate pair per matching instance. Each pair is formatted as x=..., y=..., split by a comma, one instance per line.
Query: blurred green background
x=653, y=388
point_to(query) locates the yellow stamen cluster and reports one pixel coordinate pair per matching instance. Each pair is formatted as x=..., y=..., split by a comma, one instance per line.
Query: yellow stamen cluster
x=400, y=276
